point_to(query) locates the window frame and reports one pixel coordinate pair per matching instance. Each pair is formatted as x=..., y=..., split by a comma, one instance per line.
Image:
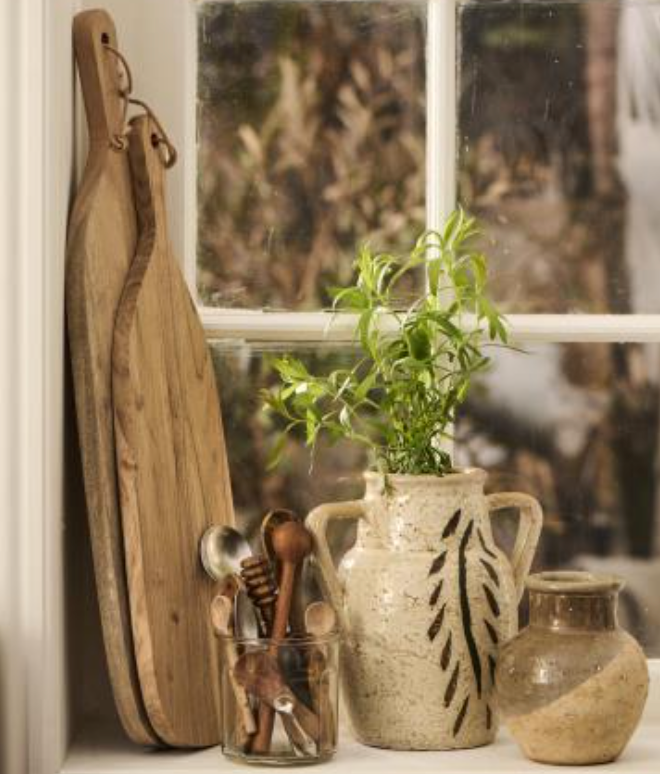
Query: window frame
x=255, y=325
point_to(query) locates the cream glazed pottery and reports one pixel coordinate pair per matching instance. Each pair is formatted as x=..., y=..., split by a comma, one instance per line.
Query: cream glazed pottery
x=424, y=599
x=572, y=686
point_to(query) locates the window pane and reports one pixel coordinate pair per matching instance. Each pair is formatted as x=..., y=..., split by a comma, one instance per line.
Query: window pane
x=559, y=150
x=578, y=426
x=242, y=371
x=311, y=139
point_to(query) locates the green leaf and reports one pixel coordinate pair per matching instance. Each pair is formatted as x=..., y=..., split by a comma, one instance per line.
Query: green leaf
x=291, y=369
x=349, y=299
x=403, y=393
x=419, y=344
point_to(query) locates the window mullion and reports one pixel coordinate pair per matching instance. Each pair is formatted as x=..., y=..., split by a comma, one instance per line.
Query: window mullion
x=441, y=115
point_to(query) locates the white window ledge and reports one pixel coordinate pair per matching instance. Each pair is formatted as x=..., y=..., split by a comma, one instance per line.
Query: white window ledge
x=105, y=757
x=100, y=751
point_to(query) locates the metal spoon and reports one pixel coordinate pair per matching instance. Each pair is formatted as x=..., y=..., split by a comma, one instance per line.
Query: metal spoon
x=245, y=617
x=283, y=705
x=259, y=674
x=221, y=550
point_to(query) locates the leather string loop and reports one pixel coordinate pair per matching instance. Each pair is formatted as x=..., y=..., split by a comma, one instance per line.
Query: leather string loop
x=119, y=141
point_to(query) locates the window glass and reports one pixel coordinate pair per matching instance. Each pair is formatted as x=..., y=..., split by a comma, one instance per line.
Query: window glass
x=242, y=370
x=311, y=139
x=578, y=426
x=559, y=150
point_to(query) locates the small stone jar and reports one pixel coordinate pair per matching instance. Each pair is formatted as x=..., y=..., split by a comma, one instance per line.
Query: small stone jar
x=571, y=687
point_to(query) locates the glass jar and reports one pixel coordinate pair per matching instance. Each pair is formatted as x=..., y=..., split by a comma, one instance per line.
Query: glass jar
x=572, y=685
x=280, y=699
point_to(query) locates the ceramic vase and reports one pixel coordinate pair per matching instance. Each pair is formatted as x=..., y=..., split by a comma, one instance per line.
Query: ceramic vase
x=573, y=684
x=425, y=599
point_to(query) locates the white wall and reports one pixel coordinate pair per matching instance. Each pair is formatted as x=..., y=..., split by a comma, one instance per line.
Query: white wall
x=48, y=615
x=36, y=158
x=153, y=35
x=10, y=682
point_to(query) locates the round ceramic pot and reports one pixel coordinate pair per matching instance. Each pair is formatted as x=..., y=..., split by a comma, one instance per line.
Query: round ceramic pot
x=573, y=684
x=424, y=599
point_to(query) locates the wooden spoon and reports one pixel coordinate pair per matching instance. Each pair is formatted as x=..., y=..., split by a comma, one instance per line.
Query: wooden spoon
x=260, y=675
x=320, y=621
x=291, y=543
x=270, y=522
x=222, y=609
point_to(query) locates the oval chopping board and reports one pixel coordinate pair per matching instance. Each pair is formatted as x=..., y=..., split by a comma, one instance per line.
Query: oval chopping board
x=102, y=239
x=173, y=474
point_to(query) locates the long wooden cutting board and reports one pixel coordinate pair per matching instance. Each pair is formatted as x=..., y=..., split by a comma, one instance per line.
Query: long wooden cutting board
x=173, y=474
x=101, y=245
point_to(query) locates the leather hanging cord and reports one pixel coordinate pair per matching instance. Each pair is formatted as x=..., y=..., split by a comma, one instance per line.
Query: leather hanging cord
x=119, y=141
x=166, y=149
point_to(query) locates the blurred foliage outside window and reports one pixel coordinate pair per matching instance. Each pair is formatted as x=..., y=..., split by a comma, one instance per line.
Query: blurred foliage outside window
x=311, y=138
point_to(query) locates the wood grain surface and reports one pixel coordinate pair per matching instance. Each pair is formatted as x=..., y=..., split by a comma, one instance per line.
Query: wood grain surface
x=101, y=245
x=173, y=474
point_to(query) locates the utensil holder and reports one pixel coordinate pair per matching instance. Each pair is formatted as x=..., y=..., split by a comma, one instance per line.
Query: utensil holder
x=298, y=678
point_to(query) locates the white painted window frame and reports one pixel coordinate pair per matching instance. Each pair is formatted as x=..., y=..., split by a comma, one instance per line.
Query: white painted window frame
x=265, y=326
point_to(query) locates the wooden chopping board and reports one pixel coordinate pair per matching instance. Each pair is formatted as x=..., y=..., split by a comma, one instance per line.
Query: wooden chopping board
x=101, y=245
x=173, y=473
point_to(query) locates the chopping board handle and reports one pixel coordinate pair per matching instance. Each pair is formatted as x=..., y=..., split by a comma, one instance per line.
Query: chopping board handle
x=149, y=169
x=94, y=42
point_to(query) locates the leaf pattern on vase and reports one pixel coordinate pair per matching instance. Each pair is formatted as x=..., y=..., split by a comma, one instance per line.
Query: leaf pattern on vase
x=452, y=525
x=484, y=545
x=492, y=602
x=450, y=690
x=492, y=632
x=435, y=596
x=475, y=561
x=436, y=626
x=445, y=658
x=492, y=572
x=438, y=564
x=466, y=611
x=461, y=716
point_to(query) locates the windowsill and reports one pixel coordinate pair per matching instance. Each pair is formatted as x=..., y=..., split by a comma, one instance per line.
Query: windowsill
x=104, y=751
x=102, y=755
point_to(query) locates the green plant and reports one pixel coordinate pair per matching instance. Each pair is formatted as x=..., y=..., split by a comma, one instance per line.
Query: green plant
x=416, y=363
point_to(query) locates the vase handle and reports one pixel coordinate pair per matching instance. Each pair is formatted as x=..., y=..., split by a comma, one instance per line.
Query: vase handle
x=317, y=522
x=529, y=531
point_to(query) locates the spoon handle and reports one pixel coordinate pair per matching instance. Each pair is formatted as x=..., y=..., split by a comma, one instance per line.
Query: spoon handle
x=261, y=742
x=299, y=739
